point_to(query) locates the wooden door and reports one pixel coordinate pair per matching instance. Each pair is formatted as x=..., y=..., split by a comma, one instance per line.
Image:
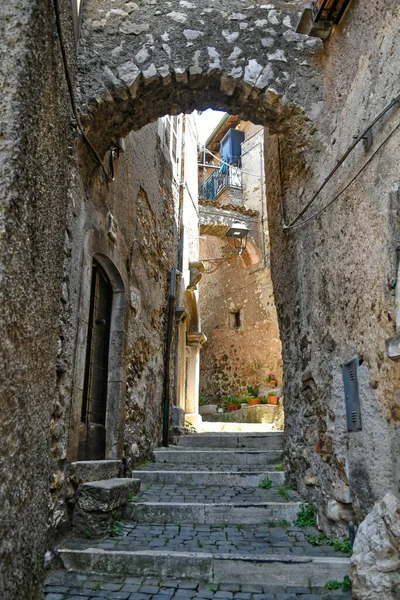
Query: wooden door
x=92, y=438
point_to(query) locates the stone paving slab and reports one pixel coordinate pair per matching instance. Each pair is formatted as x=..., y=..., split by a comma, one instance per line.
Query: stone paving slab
x=234, y=540
x=61, y=585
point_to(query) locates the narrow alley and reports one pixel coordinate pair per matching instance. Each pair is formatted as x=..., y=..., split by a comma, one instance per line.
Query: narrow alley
x=200, y=300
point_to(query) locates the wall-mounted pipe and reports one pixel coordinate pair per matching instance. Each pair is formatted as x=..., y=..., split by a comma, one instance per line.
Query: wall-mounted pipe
x=167, y=366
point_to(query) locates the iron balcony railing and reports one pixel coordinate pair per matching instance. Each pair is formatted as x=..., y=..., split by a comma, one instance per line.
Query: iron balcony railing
x=219, y=180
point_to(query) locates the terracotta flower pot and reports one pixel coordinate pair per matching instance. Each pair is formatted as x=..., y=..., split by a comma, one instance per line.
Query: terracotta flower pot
x=231, y=406
x=273, y=383
x=254, y=401
x=273, y=399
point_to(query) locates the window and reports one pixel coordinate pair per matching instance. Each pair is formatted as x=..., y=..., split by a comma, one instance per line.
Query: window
x=235, y=320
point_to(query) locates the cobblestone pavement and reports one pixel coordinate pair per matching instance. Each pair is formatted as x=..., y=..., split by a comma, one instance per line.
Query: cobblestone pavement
x=215, y=494
x=75, y=586
x=246, y=539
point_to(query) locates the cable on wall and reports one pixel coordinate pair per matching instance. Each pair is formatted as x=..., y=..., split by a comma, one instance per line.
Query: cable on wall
x=109, y=175
x=358, y=139
x=298, y=224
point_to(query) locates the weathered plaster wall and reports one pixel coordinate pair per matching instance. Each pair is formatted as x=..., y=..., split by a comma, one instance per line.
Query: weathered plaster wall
x=234, y=358
x=36, y=170
x=333, y=276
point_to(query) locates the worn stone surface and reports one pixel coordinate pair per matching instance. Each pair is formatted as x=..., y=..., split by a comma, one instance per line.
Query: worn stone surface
x=376, y=556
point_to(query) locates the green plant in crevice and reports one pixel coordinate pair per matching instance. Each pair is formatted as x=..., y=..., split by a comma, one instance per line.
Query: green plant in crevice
x=283, y=523
x=272, y=523
x=116, y=529
x=278, y=467
x=265, y=484
x=333, y=584
x=188, y=427
x=339, y=544
x=284, y=492
x=306, y=516
x=342, y=545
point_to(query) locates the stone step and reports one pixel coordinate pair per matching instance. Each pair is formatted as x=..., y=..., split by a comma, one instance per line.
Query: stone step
x=274, y=570
x=260, y=441
x=209, y=478
x=100, y=503
x=218, y=458
x=215, y=494
x=85, y=471
x=212, y=513
x=204, y=467
x=68, y=585
x=210, y=427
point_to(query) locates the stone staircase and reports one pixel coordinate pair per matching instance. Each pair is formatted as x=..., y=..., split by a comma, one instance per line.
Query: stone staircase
x=201, y=527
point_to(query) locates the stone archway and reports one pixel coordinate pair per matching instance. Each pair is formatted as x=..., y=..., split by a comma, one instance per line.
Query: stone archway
x=137, y=63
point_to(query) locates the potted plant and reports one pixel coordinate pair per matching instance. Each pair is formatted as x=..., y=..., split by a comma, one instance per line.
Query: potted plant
x=244, y=402
x=272, y=380
x=252, y=391
x=264, y=400
x=272, y=398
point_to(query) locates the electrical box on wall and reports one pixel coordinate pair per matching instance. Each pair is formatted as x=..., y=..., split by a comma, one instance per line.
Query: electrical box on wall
x=352, y=396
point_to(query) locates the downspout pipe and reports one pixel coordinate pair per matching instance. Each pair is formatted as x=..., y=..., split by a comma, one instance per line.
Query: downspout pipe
x=167, y=366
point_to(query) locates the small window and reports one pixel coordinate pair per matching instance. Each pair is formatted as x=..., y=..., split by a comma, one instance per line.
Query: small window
x=235, y=320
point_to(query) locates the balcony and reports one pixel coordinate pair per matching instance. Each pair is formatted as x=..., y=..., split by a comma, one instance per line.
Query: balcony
x=226, y=177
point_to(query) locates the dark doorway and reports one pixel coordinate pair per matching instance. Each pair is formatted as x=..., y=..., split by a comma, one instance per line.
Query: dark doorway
x=92, y=433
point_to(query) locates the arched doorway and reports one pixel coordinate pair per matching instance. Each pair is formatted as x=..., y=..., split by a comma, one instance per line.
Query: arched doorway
x=92, y=429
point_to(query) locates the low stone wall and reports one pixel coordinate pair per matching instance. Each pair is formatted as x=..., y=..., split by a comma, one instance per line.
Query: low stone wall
x=262, y=413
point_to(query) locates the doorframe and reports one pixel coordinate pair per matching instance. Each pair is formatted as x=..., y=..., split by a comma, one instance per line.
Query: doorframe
x=98, y=247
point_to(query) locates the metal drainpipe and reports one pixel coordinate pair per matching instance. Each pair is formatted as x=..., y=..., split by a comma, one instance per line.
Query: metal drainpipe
x=264, y=251
x=167, y=369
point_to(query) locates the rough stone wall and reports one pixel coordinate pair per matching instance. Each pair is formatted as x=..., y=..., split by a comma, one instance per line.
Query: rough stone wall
x=36, y=167
x=333, y=276
x=153, y=223
x=236, y=357
x=144, y=250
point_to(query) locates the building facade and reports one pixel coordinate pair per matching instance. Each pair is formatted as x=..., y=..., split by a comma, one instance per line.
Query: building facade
x=237, y=300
